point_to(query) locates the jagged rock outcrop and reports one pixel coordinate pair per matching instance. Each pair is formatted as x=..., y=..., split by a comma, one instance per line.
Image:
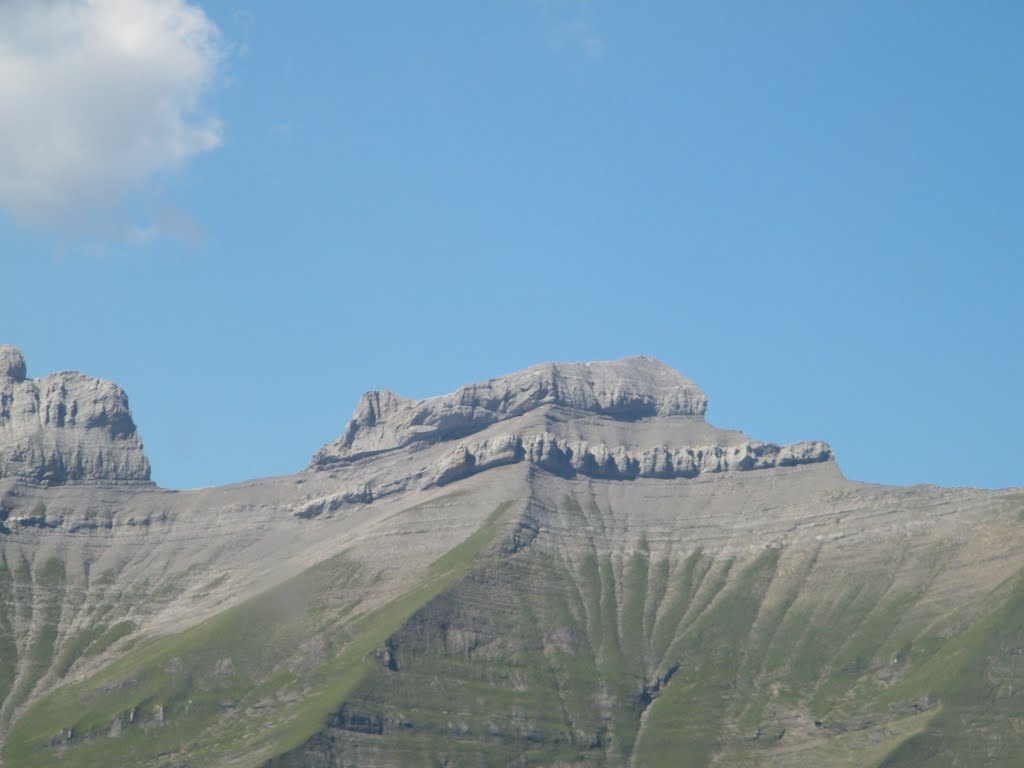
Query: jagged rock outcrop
x=316, y=507
x=600, y=402
x=625, y=390
x=570, y=458
x=65, y=428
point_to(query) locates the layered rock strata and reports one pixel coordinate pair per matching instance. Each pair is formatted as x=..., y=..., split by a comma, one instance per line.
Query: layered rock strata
x=624, y=390
x=570, y=458
x=65, y=428
x=617, y=420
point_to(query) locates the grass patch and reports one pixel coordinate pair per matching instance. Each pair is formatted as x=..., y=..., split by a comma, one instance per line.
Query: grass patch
x=200, y=694
x=8, y=649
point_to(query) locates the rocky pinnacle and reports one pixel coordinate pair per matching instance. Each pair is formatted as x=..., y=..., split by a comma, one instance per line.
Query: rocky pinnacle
x=65, y=428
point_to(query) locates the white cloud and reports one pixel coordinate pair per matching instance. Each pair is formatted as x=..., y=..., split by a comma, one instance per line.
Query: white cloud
x=96, y=97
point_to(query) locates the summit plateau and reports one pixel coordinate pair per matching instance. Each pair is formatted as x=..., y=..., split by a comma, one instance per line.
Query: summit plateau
x=565, y=566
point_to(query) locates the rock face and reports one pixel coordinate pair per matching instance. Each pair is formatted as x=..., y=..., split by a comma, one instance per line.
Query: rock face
x=65, y=428
x=571, y=458
x=625, y=390
x=512, y=417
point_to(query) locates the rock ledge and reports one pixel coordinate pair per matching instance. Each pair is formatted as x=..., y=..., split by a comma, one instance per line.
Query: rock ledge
x=571, y=458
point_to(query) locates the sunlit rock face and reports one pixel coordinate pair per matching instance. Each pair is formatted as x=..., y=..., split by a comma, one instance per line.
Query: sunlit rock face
x=624, y=390
x=619, y=420
x=65, y=428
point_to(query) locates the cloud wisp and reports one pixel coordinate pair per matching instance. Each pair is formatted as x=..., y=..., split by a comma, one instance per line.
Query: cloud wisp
x=96, y=98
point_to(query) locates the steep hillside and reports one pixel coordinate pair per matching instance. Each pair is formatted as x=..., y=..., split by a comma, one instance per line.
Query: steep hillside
x=565, y=566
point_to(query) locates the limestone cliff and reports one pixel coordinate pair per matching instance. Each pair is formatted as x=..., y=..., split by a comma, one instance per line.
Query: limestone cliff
x=65, y=428
x=570, y=458
x=617, y=420
x=624, y=390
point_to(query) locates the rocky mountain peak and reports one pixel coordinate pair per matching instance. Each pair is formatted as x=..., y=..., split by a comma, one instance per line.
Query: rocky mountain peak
x=65, y=428
x=12, y=364
x=629, y=390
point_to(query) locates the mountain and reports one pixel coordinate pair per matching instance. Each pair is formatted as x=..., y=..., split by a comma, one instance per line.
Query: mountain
x=566, y=566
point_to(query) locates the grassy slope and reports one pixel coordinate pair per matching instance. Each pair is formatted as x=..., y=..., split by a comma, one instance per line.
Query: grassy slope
x=590, y=656
x=254, y=680
x=37, y=597
x=980, y=681
x=775, y=659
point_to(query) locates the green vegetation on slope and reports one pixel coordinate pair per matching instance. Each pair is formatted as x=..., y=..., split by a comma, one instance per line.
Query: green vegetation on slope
x=258, y=678
x=979, y=678
x=604, y=653
x=596, y=658
x=8, y=648
x=41, y=605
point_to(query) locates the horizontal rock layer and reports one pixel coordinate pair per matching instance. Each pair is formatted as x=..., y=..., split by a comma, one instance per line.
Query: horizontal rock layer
x=624, y=390
x=65, y=428
x=569, y=458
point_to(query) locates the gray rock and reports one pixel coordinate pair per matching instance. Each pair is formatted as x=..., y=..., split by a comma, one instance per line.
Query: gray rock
x=571, y=458
x=12, y=364
x=622, y=420
x=625, y=390
x=65, y=428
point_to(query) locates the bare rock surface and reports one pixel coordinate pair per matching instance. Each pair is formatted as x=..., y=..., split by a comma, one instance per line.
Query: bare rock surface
x=65, y=428
x=617, y=420
x=625, y=390
x=570, y=458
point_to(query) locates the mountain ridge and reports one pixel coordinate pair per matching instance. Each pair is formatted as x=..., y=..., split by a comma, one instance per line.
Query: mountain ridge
x=70, y=428
x=499, y=576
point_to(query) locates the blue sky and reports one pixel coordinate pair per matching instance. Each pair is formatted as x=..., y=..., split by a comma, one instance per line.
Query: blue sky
x=814, y=210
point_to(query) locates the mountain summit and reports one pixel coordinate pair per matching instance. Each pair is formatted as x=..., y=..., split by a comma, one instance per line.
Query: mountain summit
x=65, y=428
x=624, y=419
x=625, y=390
